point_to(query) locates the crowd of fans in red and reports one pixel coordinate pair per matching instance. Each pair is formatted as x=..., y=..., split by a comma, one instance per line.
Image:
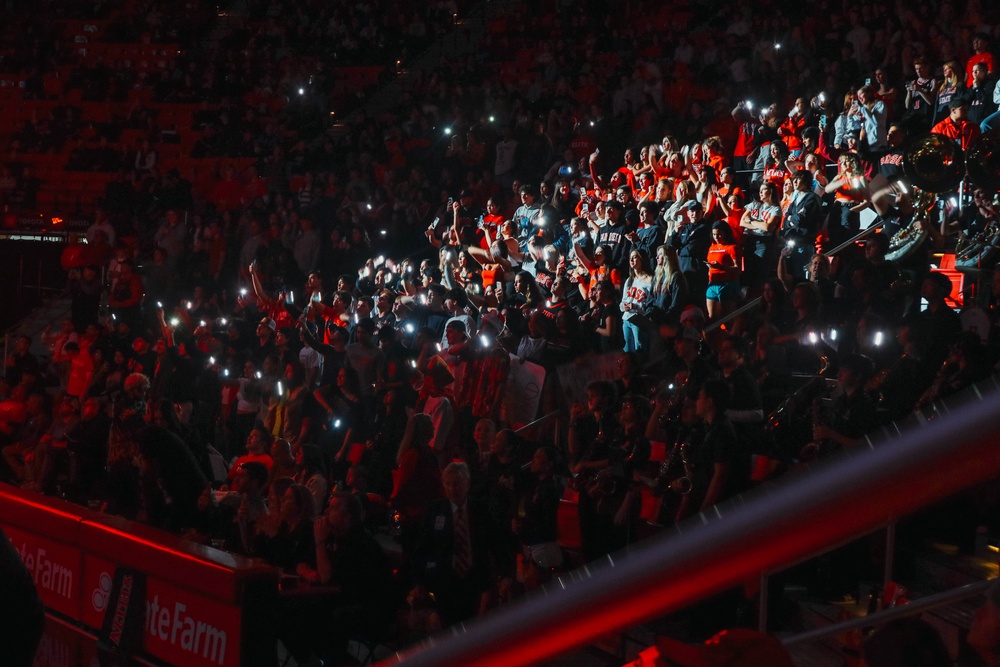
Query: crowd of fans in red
x=343, y=315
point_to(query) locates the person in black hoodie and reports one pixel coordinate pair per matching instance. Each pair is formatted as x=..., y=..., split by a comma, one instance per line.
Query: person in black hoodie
x=172, y=480
x=87, y=444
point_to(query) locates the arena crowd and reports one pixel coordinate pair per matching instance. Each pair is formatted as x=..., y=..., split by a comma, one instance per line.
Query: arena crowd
x=333, y=343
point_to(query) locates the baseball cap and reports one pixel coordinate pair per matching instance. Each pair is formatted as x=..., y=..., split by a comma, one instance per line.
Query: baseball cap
x=269, y=323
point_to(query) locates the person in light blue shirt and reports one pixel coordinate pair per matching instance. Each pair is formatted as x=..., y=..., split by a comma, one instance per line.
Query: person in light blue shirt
x=872, y=113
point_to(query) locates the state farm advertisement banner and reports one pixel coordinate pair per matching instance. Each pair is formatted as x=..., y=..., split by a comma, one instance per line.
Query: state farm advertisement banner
x=181, y=627
x=55, y=567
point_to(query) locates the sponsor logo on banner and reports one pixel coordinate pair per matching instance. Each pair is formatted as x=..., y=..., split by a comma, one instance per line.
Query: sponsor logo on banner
x=181, y=627
x=55, y=568
x=124, y=620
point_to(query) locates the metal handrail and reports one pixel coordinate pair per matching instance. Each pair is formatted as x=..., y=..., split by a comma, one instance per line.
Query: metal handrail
x=885, y=615
x=915, y=464
x=540, y=420
x=867, y=231
x=749, y=305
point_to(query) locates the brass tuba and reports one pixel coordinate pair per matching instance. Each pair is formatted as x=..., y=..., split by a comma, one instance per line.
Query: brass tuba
x=983, y=161
x=983, y=164
x=933, y=164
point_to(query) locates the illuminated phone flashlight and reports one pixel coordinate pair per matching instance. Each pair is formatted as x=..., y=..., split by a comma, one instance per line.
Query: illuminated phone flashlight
x=670, y=386
x=447, y=130
x=413, y=363
x=878, y=338
x=211, y=361
x=174, y=321
x=382, y=232
x=113, y=316
x=291, y=296
x=408, y=328
x=833, y=334
x=953, y=202
x=777, y=45
x=281, y=390
x=790, y=244
x=492, y=119
x=368, y=206
x=243, y=291
x=190, y=305
x=484, y=340
x=258, y=375
x=225, y=372
x=302, y=91
x=439, y=347
x=159, y=304
x=202, y=323
x=222, y=321
x=813, y=338
x=749, y=104
x=592, y=123
x=336, y=423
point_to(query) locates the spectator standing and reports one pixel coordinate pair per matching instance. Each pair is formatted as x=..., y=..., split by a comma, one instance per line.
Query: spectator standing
x=690, y=240
x=921, y=94
x=635, y=303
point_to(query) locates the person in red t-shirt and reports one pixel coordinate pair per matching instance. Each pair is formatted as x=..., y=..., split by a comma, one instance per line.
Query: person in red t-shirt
x=956, y=126
x=981, y=54
x=775, y=171
x=723, y=271
x=732, y=206
x=745, y=143
x=258, y=444
x=491, y=221
x=599, y=270
x=791, y=129
x=712, y=149
x=726, y=185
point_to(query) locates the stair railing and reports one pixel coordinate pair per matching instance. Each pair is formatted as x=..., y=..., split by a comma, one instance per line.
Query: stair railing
x=901, y=469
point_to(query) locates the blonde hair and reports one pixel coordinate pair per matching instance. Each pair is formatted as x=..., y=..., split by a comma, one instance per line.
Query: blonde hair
x=954, y=79
x=665, y=276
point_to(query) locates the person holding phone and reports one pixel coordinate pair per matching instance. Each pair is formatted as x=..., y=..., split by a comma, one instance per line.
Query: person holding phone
x=723, y=264
x=847, y=122
x=920, y=94
x=635, y=302
x=872, y=114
